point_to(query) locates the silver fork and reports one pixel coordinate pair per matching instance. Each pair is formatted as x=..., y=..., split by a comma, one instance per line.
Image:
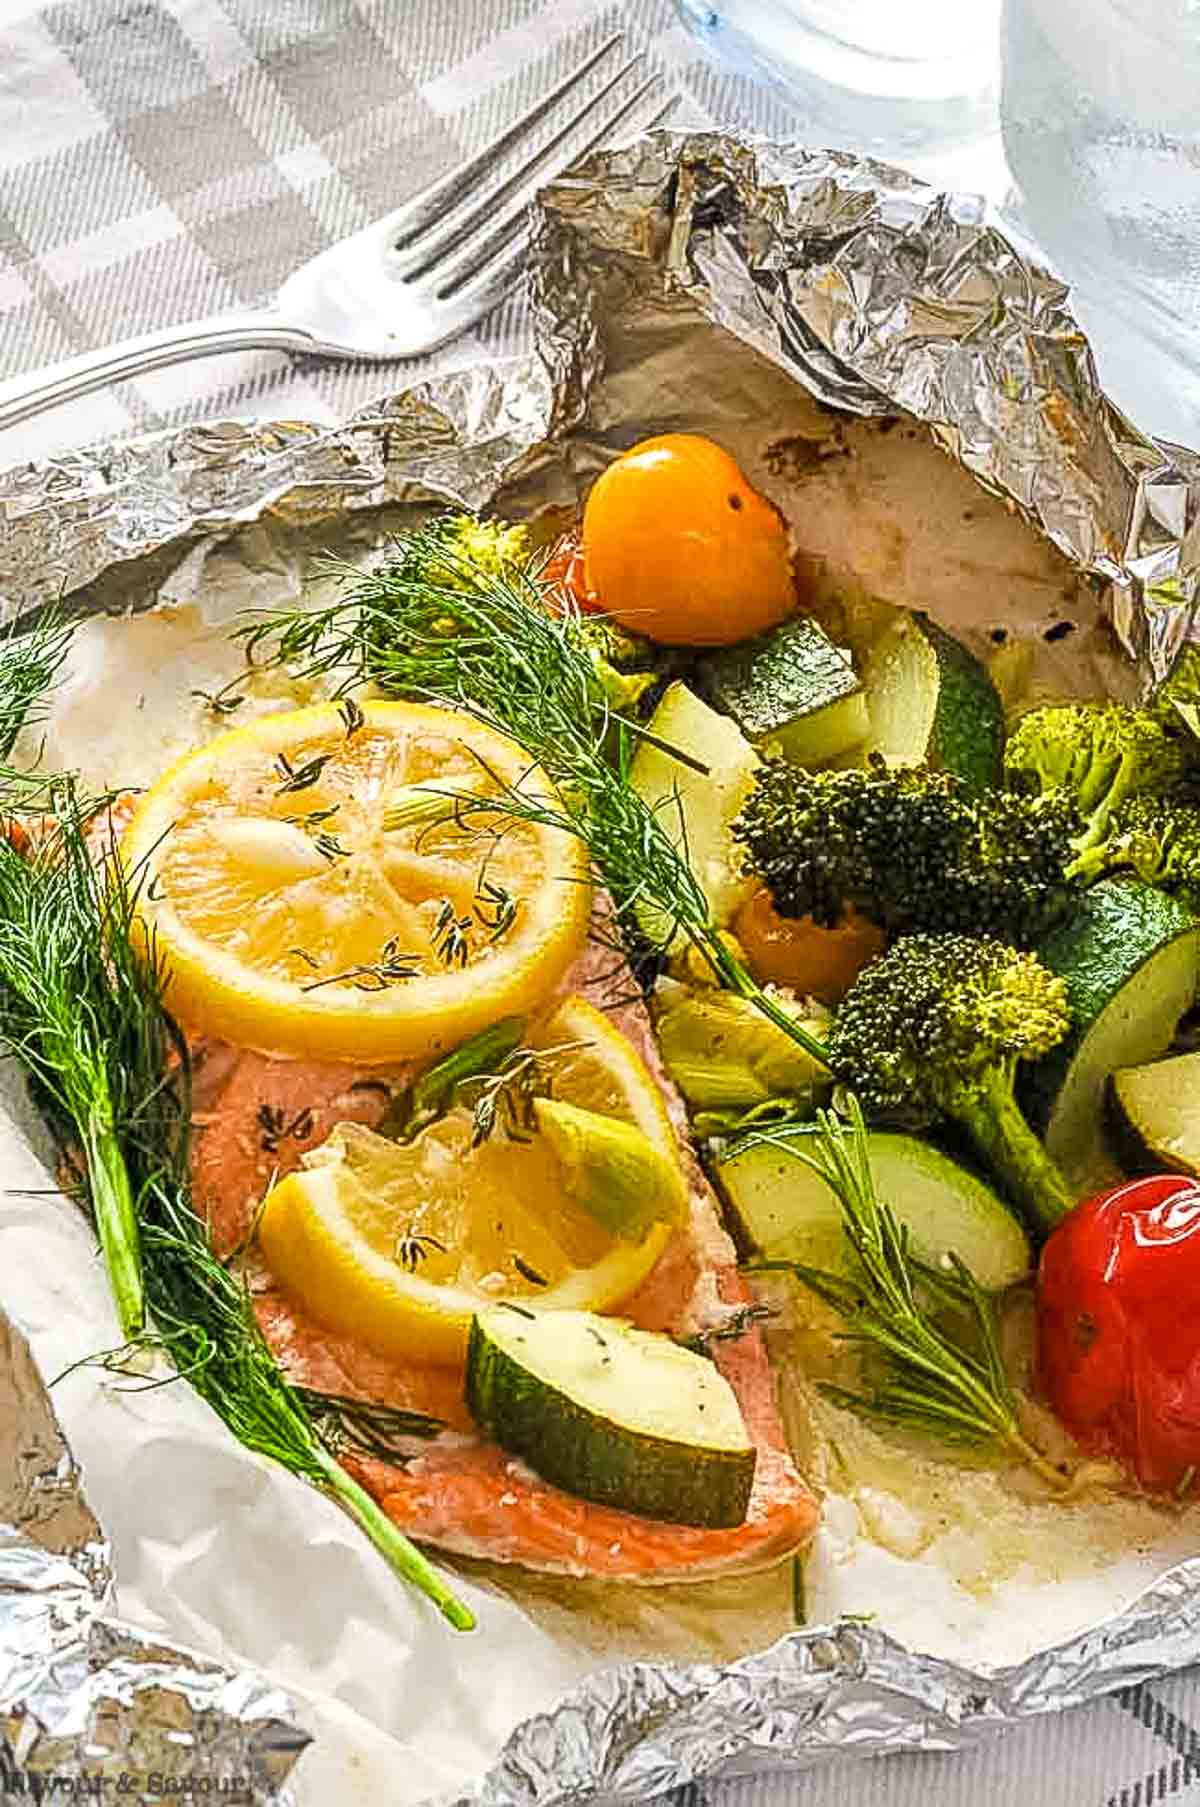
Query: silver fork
x=401, y=286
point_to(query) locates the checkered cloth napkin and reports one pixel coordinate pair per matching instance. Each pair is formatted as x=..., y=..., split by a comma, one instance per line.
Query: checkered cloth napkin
x=165, y=159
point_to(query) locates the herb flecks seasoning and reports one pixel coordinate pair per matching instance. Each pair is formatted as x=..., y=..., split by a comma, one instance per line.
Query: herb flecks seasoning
x=276, y=1126
x=329, y=847
x=352, y=715
x=219, y=702
x=495, y=908
x=413, y=1247
x=298, y=777
x=449, y=937
x=391, y=968
x=506, y=1098
x=316, y=818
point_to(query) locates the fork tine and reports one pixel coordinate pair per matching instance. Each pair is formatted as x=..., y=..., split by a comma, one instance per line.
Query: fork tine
x=455, y=270
x=414, y=216
x=422, y=253
x=484, y=289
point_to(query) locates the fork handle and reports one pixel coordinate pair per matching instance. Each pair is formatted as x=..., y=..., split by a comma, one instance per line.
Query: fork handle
x=23, y=396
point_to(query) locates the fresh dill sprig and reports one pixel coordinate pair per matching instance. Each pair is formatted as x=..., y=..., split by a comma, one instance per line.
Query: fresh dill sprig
x=73, y=999
x=82, y=1012
x=30, y=659
x=126, y=1101
x=929, y=1375
x=431, y=625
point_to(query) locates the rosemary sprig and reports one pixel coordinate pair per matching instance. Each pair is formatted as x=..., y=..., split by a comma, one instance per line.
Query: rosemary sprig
x=931, y=1376
x=431, y=625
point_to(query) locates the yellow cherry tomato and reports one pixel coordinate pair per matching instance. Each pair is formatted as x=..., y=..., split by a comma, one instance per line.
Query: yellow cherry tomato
x=679, y=547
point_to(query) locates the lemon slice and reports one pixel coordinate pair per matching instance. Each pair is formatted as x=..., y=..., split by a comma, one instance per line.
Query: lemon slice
x=399, y=1244
x=312, y=894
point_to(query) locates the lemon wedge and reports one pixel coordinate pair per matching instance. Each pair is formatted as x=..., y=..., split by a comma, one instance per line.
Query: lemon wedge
x=399, y=1244
x=312, y=893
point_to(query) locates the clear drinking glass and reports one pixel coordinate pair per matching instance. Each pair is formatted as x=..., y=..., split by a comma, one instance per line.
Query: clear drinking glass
x=1100, y=115
x=895, y=78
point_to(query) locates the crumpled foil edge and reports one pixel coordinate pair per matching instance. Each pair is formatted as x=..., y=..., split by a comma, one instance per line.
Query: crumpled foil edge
x=89, y=1704
x=644, y=1728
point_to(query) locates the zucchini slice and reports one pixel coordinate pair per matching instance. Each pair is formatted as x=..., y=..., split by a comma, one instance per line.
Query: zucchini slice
x=1156, y=1115
x=624, y=1417
x=790, y=690
x=698, y=809
x=786, y=1212
x=1130, y=957
x=931, y=702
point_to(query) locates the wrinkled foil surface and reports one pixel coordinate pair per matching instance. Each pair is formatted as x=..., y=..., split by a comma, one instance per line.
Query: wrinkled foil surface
x=877, y=295
x=89, y=1705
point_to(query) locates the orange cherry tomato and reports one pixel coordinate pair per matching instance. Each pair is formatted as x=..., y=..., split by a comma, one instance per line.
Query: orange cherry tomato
x=796, y=952
x=679, y=547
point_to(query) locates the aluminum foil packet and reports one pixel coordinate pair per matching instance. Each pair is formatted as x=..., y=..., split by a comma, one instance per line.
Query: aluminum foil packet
x=804, y=303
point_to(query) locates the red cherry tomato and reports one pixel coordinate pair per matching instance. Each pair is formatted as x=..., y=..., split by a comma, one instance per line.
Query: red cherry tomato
x=564, y=568
x=1119, y=1328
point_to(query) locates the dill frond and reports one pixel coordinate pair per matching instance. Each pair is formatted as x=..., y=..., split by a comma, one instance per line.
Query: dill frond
x=430, y=625
x=81, y=1009
x=30, y=660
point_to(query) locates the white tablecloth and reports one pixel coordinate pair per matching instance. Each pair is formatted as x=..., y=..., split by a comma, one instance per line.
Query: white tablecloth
x=161, y=159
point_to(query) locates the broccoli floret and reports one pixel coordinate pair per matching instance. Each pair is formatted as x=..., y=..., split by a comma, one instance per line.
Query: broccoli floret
x=1100, y=756
x=935, y=1029
x=1158, y=838
x=910, y=849
x=625, y=663
x=494, y=547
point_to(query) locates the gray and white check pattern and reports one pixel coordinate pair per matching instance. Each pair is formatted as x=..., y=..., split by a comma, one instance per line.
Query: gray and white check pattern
x=164, y=159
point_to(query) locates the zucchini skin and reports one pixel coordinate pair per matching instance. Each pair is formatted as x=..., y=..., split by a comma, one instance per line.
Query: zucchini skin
x=968, y=726
x=630, y=1471
x=1089, y=950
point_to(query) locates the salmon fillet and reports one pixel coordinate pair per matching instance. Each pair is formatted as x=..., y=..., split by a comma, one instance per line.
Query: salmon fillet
x=255, y=1116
